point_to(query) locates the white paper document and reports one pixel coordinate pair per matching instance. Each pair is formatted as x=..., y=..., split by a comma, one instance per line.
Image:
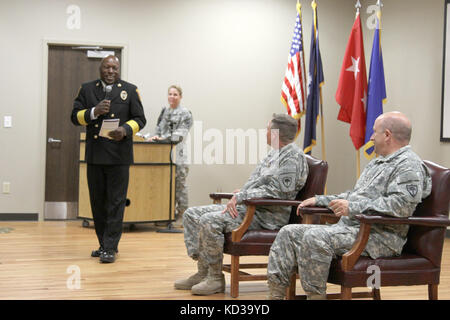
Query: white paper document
x=107, y=126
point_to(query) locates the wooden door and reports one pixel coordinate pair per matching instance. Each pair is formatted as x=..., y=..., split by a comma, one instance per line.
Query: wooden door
x=68, y=68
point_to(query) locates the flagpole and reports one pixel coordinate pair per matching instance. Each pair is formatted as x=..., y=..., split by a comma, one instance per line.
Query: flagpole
x=299, y=6
x=324, y=157
x=358, y=164
x=358, y=153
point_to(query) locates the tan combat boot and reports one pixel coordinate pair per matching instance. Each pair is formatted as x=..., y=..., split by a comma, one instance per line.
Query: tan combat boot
x=187, y=284
x=209, y=286
x=214, y=282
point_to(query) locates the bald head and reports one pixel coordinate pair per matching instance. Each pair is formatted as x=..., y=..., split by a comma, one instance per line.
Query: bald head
x=398, y=124
x=109, y=69
x=391, y=131
x=110, y=57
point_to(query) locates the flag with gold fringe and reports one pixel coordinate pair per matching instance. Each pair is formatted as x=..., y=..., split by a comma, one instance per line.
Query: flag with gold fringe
x=376, y=95
x=315, y=82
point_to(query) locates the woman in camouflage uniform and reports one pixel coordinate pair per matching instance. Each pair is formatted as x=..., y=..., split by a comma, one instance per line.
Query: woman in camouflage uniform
x=174, y=124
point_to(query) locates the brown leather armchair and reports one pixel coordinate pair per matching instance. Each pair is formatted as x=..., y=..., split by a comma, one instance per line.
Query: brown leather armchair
x=420, y=261
x=243, y=242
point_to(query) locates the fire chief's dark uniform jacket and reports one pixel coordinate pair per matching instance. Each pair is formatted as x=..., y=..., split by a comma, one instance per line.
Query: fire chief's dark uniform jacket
x=108, y=161
x=125, y=105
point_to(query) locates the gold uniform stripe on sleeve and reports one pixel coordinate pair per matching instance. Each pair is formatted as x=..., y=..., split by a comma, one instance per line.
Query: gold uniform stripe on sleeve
x=80, y=117
x=134, y=126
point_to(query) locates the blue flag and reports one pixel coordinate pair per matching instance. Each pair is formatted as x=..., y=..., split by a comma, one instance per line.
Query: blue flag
x=315, y=81
x=376, y=94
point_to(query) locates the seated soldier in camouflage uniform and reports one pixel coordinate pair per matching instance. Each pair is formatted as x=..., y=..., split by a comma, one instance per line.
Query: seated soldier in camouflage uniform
x=392, y=184
x=281, y=174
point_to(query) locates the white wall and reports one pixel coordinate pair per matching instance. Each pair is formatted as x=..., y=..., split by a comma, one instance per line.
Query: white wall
x=229, y=57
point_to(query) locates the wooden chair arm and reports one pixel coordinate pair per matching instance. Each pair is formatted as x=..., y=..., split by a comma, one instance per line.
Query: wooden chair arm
x=236, y=234
x=309, y=215
x=221, y=195
x=271, y=202
x=419, y=221
x=218, y=196
x=349, y=259
x=315, y=210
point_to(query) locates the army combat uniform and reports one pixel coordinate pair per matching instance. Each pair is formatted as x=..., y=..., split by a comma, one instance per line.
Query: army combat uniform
x=108, y=161
x=179, y=120
x=281, y=174
x=391, y=185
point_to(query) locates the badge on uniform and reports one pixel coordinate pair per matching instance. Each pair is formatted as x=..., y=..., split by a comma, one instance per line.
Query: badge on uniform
x=412, y=189
x=287, y=181
x=124, y=95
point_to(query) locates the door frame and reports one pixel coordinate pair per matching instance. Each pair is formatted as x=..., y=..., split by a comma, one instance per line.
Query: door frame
x=46, y=43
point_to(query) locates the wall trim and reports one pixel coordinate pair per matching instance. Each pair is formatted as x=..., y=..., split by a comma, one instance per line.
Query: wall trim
x=19, y=216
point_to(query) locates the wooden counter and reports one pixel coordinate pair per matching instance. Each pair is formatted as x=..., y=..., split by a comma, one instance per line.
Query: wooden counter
x=149, y=184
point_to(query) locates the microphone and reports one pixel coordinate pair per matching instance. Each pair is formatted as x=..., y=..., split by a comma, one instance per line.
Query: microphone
x=108, y=90
x=173, y=138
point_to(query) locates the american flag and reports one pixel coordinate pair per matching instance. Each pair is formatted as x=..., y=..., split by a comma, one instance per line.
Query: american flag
x=293, y=88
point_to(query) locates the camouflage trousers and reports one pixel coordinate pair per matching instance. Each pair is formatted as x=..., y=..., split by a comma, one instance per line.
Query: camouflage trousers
x=181, y=189
x=310, y=248
x=204, y=229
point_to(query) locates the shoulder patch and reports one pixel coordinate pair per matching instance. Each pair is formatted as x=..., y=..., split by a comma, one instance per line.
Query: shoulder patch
x=412, y=189
x=287, y=181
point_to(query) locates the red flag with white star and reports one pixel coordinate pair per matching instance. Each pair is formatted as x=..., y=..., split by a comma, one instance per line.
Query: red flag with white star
x=351, y=93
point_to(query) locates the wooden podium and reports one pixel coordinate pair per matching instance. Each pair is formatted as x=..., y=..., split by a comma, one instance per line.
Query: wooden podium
x=149, y=198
